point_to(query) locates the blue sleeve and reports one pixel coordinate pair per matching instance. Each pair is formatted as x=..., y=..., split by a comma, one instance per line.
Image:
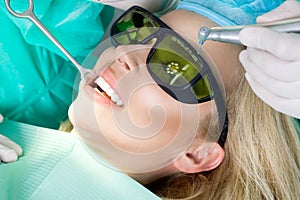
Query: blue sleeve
x=230, y=12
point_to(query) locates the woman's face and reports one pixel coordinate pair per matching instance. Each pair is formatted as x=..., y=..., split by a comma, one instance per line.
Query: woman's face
x=151, y=128
x=149, y=121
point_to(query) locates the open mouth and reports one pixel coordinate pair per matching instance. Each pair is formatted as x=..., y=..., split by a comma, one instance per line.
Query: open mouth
x=104, y=89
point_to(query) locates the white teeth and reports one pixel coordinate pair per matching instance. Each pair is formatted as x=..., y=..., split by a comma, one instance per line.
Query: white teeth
x=102, y=83
x=108, y=90
x=114, y=97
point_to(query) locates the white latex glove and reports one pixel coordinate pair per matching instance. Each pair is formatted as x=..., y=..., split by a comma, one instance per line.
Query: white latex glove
x=158, y=6
x=289, y=9
x=272, y=61
x=9, y=151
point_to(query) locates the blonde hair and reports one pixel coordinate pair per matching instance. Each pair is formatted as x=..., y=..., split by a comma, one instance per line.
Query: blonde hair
x=262, y=158
x=66, y=126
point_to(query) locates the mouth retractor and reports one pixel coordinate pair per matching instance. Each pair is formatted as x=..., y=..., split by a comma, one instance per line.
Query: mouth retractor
x=104, y=89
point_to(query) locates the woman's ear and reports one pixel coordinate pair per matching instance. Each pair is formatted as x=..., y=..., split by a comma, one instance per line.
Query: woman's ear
x=201, y=159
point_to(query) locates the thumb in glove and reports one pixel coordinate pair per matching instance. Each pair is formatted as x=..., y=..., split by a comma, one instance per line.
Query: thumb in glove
x=9, y=150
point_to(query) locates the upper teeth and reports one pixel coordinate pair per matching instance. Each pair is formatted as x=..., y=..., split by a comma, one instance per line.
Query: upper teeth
x=108, y=90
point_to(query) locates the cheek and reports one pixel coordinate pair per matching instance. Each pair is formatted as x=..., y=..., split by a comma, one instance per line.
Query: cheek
x=149, y=121
x=151, y=105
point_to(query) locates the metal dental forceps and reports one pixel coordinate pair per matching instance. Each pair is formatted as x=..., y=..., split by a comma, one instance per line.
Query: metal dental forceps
x=29, y=14
x=230, y=34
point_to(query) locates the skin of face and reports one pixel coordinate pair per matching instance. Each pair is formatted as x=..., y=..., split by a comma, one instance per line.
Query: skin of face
x=150, y=120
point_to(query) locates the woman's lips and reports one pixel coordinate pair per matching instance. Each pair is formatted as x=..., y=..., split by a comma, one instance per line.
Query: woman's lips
x=102, y=89
x=100, y=98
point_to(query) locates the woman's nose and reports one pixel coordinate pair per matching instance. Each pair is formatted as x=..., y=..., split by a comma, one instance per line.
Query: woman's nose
x=131, y=57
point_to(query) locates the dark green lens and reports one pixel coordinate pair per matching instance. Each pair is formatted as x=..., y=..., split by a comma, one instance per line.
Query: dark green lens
x=134, y=27
x=202, y=88
x=172, y=68
x=173, y=63
x=176, y=65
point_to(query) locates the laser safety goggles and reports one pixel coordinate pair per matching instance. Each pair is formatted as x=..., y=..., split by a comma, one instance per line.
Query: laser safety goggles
x=172, y=62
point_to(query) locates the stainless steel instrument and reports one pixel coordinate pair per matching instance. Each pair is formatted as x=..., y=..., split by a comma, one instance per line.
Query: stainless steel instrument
x=29, y=14
x=230, y=34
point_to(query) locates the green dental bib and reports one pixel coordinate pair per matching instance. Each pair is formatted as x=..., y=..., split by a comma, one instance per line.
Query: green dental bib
x=55, y=165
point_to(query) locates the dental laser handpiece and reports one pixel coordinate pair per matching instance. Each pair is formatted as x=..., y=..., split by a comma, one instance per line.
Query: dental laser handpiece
x=230, y=34
x=29, y=14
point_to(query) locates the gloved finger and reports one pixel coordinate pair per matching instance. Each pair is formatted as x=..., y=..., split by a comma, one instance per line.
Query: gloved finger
x=7, y=154
x=289, y=107
x=273, y=66
x=288, y=9
x=290, y=90
x=282, y=45
x=10, y=144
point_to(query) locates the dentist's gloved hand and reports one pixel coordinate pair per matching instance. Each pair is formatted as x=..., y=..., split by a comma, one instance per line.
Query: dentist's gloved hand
x=158, y=6
x=272, y=61
x=9, y=151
